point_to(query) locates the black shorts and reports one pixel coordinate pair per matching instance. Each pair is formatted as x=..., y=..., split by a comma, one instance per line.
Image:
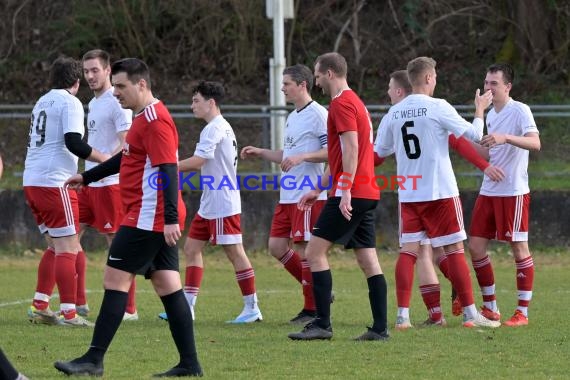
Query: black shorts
x=358, y=232
x=141, y=252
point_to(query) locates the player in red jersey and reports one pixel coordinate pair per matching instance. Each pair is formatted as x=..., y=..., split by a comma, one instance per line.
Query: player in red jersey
x=146, y=241
x=348, y=215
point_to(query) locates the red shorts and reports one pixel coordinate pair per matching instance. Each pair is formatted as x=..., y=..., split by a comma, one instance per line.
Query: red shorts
x=55, y=209
x=221, y=231
x=101, y=208
x=291, y=223
x=501, y=218
x=441, y=221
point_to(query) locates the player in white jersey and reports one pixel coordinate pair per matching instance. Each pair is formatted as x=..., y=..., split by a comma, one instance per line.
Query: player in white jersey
x=501, y=209
x=399, y=88
x=55, y=144
x=417, y=129
x=301, y=159
x=218, y=218
x=100, y=203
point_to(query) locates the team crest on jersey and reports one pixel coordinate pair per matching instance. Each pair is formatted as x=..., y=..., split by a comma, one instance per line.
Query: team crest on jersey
x=91, y=125
x=126, y=149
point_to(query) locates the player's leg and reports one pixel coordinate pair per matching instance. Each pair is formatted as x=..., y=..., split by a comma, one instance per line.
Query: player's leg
x=168, y=287
x=303, y=223
x=444, y=221
x=39, y=311
x=484, y=228
x=7, y=370
x=367, y=259
x=429, y=286
x=517, y=207
x=280, y=239
x=86, y=218
x=440, y=260
x=132, y=251
x=411, y=233
x=245, y=277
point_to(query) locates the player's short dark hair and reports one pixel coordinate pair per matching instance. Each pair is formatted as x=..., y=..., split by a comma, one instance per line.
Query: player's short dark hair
x=135, y=69
x=417, y=67
x=300, y=73
x=101, y=55
x=333, y=62
x=210, y=90
x=508, y=71
x=401, y=78
x=65, y=72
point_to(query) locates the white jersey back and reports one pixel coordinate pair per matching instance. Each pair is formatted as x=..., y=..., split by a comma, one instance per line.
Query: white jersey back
x=48, y=162
x=417, y=129
x=305, y=131
x=218, y=145
x=514, y=119
x=105, y=119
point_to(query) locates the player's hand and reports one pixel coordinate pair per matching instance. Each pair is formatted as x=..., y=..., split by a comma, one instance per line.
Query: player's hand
x=496, y=174
x=172, y=234
x=308, y=200
x=493, y=139
x=74, y=182
x=483, y=101
x=345, y=205
x=291, y=161
x=249, y=151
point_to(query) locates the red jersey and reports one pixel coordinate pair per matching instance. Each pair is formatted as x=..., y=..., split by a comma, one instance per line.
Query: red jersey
x=347, y=112
x=151, y=141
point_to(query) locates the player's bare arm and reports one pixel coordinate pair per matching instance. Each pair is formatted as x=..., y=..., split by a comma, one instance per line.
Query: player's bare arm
x=265, y=154
x=191, y=164
x=318, y=156
x=530, y=141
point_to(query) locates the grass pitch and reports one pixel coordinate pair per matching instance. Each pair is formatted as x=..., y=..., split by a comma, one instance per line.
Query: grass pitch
x=262, y=350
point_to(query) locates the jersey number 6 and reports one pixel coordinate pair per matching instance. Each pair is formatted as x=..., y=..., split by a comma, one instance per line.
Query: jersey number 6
x=411, y=141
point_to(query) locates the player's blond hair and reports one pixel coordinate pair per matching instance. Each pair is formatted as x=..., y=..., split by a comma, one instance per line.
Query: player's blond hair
x=417, y=68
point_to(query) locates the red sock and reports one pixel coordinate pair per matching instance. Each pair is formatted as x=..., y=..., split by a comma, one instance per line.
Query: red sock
x=443, y=265
x=431, y=296
x=485, y=277
x=405, y=277
x=66, y=279
x=46, y=278
x=307, y=283
x=460, y=276
x=292, y=263
x=246, y=281
x=80, y=267
x=131, y=304
x=525, y=279
x=193, y=279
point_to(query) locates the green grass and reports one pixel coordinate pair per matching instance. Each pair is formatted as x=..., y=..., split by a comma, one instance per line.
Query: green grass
x=262, y=350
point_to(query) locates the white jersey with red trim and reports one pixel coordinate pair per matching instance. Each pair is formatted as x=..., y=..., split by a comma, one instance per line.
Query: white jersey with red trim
x=48, y=162
x=220, y=191
x=305, y=132
x=417, y=129
x=514, y=119
x=105, y=119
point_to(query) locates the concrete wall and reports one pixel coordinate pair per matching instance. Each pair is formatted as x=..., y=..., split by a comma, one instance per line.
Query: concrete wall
x=550, y=219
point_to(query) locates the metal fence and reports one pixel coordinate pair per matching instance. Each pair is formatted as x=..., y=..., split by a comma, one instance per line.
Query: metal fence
x=260, y=111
